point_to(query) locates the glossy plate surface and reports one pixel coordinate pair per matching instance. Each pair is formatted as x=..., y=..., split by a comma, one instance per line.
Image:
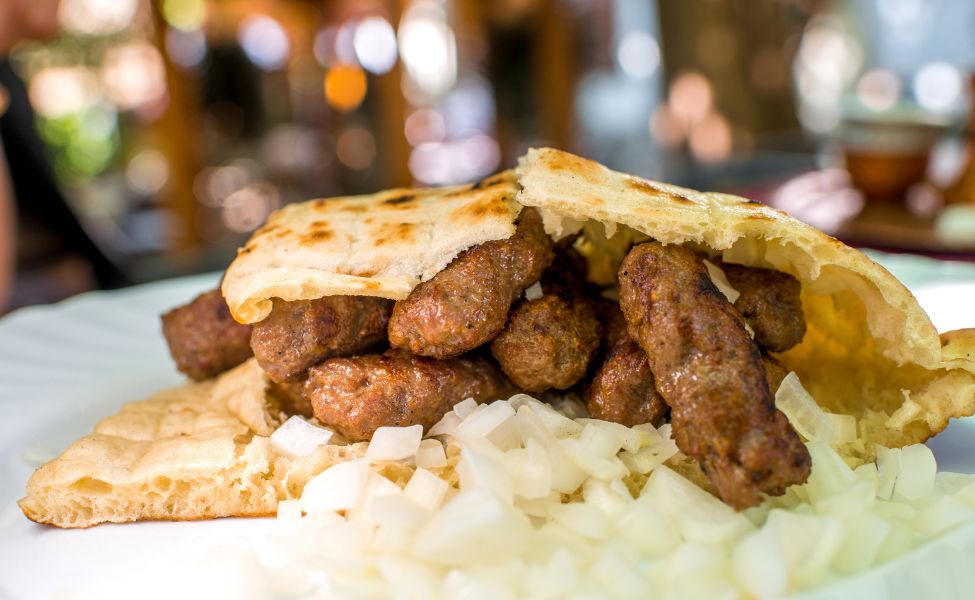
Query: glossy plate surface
x=65, y=366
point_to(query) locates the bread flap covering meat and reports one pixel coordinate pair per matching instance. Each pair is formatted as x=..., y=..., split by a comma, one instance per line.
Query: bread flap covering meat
x=382, y=244
x=870, y=350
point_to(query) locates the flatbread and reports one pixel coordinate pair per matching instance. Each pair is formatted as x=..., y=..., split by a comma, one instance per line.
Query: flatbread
x=185, y=454
x=870, y=350
x=383, y=244
x=202, y=451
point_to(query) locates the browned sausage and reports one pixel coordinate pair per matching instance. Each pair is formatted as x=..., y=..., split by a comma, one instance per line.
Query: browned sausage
x=623, y=389
x=204, y=339
x=358, y=395
x=297, y=335
x=467, y=303
x=710, y=372
x=771, y=305
x=548, y=342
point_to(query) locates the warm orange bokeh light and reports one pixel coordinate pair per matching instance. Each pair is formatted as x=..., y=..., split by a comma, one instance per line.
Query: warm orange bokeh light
x=345, y=87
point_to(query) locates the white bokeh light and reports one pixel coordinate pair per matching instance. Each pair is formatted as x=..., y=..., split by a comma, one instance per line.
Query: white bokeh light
x=938, y=87
x=264, y=41
x=428, y=48
x=375, y=45
x=638, y=54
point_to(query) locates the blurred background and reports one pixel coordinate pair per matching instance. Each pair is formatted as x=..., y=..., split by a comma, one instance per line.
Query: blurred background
x=147, y=138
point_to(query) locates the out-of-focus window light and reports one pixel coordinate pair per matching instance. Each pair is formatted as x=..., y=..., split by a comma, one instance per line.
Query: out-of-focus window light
x=878, y=89
x=147, y=172
x=440, y=163
x=96, y=17
x=638, y=54
x=424, y=126
x=345, y=87
x=133, y=75
x=375, y=44
x=186, y=48
x=938, y=87
x=59, y=91
x=428, y=48
x=264, y=42
x=186, y=15
x=356, y=148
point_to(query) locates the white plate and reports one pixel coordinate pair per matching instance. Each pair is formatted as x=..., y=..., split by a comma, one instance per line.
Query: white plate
x=65, y=366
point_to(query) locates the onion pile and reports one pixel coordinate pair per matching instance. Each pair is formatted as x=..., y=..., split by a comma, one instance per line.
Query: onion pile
x=515, y=499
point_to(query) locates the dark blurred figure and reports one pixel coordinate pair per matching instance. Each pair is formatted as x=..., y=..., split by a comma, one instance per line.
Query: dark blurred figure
x=39, y=234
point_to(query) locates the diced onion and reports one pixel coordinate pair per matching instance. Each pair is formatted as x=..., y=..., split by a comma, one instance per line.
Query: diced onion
x=394, y=443
x=534, y=291
x=721, y=282
x=810, y=421
x=297, y=438
x=534, y=499
x=336, y=488
x=430, y=455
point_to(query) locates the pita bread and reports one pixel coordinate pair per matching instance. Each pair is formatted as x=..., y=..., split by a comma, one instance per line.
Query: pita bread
x=870, y=350
x=382, y=245
x=185, y=454
x=202, y=451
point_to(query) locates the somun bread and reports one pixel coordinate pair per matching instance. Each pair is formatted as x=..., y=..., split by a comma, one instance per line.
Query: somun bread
x=202, y=451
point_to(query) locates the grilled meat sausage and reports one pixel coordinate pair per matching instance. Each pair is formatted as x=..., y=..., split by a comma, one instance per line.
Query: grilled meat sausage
x=203, y=337
x=297, y=335
x=467, y=303
x=548, y=342
x=710, y=373
x=357, y=395
x=623, y=389
x=770, y=303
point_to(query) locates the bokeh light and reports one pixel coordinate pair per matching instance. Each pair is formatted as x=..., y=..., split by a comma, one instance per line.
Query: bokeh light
x=245, y=209
x=375, y=45
x=691, y=97
x=58, y=91
x=186, y=48
x=424, y=126
x=345, y=87
x=96, y=17
x=185, y=15
x=133, y=75
x=710, y=140
x=428, y=48
x=147, y=172
x=638, y=54
x=356, y=148
x=938, y=87
x=264, y=42
x=878, y=89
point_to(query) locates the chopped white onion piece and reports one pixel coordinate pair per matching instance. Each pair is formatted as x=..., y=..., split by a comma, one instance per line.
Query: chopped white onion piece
x=289, y=512
x=484, y=420
x=446, y=425
x=482, y=471
x=918, y=468
x=338, y=487
x=297, y=438
x=844, y=428
x=474, y=527
x=534, y=291
x=431, y=455
x=888, y=468
x=394, y=443
x=465, y=407
x=810, y=421
x=721, y=282
x=426, y=489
